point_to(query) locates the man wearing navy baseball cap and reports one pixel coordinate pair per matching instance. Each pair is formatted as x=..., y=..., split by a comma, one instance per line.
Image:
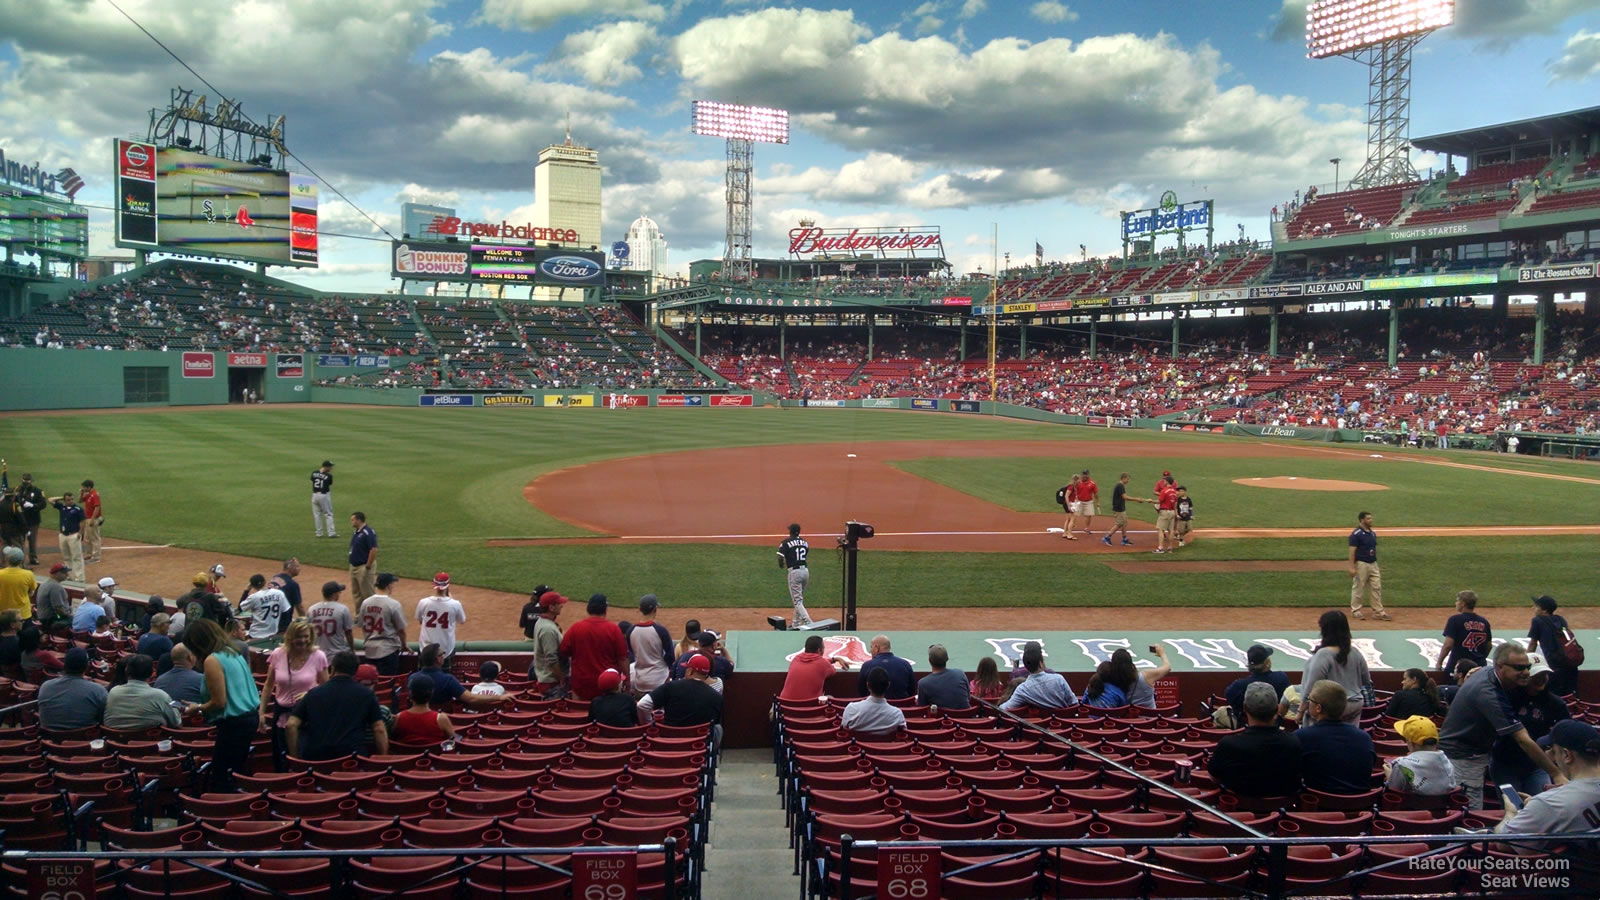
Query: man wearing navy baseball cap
x=1574, y=746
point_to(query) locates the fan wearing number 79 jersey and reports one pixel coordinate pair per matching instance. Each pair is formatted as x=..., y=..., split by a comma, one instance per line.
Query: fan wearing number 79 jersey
x=437, y=617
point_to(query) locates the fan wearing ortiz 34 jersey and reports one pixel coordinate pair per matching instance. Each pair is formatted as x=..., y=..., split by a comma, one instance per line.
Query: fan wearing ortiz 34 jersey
x=792, y=558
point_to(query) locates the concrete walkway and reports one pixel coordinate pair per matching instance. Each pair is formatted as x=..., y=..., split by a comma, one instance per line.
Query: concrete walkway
x=748, y=855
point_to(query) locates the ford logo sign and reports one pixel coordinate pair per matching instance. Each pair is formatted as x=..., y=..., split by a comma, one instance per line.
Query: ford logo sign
x=570, y=268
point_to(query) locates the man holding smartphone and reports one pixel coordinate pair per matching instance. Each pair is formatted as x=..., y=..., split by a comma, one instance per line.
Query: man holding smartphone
x=1572, y=807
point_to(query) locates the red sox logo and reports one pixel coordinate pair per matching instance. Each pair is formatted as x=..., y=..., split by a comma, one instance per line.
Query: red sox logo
x=847, y=647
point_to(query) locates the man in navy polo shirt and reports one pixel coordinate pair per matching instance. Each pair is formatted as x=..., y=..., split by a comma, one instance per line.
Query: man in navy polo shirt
x=363, y=557
x=1366, y=582
x=1335, y=756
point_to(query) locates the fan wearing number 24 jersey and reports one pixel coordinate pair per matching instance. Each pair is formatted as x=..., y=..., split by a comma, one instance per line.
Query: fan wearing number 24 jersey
x=437, y=617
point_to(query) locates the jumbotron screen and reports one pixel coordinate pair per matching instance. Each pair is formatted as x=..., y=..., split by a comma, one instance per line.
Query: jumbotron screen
x=209, y=206
x=30, y=224
x=506, y=263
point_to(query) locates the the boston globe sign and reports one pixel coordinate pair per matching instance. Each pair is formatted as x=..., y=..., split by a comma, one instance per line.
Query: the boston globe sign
x=450, y=261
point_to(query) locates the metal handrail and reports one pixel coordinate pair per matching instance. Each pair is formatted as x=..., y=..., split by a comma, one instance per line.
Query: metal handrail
x=668, y=849
x=1107, y=761
x=1277, y=856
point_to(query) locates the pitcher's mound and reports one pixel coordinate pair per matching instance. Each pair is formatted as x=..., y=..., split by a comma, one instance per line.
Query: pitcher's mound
x=1292, y=483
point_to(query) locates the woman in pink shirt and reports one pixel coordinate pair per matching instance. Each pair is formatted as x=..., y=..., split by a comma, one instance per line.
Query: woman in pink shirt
x=295, y=667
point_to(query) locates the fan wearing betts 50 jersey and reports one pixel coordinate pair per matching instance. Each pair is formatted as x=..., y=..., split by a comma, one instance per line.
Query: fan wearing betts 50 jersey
x=792, y=557
x=322, y=500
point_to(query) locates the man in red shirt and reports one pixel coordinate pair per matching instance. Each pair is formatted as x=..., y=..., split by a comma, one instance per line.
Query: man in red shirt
x=93, y=515
x=1162, y=482
x=809, y=671
x=1088, y=498
x=592, y=646
x=1166, y=515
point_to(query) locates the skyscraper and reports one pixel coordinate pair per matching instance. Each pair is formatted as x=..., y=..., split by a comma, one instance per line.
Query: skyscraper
x=566, y=194
x=647, y=248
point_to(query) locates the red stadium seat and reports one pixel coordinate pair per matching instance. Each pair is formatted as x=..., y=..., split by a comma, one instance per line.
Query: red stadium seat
x=352, y=834
x=294, y=877
x=253, y=834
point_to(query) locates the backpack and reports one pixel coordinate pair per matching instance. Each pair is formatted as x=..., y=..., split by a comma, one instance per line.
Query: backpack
x=1571, y=649
x=1061, y=496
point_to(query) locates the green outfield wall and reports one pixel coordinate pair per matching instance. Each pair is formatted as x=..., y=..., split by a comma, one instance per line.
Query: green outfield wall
x=100, y=379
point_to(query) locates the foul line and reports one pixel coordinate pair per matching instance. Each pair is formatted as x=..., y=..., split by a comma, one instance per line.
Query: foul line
x=1219, y=532
x=1407, y=457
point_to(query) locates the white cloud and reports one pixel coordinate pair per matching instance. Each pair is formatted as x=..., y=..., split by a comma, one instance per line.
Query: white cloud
x=971, y=8
x=1580, y=58
x=1052, y=12
x=532, y=15
x=603, y=55
x=1123, y=108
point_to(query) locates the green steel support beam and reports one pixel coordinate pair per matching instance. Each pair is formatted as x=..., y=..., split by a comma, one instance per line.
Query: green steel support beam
x=1394, y=331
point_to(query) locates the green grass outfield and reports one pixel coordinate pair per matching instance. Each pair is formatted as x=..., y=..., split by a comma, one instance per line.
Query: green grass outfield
x=437, y=482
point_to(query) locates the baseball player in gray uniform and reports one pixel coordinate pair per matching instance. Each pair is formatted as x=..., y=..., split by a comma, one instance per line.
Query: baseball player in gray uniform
x=322, y=500
x=792, y=557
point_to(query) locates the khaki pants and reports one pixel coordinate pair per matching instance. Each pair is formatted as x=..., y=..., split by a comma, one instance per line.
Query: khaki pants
x=361, y=582
x=91, y=538
x=72, y=554
x=1368, y=582
x=1470, y=771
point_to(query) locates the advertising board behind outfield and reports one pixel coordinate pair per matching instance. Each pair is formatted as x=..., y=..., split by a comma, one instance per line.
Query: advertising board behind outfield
x=181, y=201
x=447, y=400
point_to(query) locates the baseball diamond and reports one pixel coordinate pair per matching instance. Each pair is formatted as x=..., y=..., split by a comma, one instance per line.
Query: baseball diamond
x=1053, y=456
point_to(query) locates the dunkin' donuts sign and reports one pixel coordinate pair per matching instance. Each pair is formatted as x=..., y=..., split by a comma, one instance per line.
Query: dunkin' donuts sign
x=431, y=262
x=199, y=365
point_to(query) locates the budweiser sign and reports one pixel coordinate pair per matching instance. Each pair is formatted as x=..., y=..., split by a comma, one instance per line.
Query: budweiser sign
x=809, y=240
x=450, y=225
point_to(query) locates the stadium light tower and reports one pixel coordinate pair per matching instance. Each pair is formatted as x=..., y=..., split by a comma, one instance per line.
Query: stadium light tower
x=743, y=126
x=1380, y=33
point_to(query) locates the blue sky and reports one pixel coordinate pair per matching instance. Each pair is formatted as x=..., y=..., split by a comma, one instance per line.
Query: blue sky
x=1045, y=118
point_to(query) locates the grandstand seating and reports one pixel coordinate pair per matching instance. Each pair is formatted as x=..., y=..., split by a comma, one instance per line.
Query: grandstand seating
x=977, y=775
x=532, y=773
x=1461, y=211
x=1325, y=214
x=1497, y=175
x=1564, y=200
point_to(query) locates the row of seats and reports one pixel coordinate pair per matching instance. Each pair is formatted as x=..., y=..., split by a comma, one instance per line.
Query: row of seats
x=978, y=776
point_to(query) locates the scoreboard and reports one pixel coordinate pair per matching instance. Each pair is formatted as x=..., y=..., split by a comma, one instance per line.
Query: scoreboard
x=33, y=224
x=504, y=263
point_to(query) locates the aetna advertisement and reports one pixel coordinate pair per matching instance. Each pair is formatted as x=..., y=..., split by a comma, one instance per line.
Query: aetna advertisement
x=570, y=267
x=417, y=261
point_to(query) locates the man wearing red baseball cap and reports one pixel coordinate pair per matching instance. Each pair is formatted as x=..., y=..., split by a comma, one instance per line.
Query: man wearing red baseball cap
x=687, y=701
x=437, y=617
x=613, y=706
x=548, y=674
x=52, y=604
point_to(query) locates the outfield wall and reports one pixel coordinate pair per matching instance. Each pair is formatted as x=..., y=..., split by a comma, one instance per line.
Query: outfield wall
x=33, y=378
